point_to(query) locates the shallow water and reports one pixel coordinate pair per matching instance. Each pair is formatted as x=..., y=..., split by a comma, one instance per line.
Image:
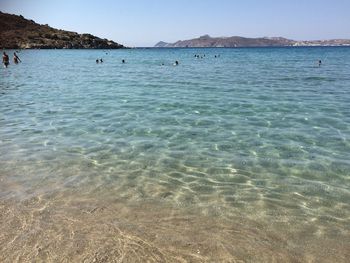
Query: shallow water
x=240, y=157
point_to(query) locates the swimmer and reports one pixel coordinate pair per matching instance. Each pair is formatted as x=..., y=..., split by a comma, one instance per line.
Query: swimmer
x=5, y=60
x=319, y=63
x=101, y=60
x=97, y=61
x=123, y=61
x=176, y=63
x=16, y=59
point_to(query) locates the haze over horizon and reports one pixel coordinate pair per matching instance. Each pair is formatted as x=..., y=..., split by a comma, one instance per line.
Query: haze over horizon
x=144, y=23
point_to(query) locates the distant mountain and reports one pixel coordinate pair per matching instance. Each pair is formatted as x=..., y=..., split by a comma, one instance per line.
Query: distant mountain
x=235, y=41
x=162, y=44
x=18, y=32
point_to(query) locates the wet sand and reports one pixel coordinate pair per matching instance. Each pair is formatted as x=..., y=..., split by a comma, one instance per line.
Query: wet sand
x=66, y=227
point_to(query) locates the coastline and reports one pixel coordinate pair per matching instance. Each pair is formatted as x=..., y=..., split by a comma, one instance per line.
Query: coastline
x=229, y=142
x=174, y=48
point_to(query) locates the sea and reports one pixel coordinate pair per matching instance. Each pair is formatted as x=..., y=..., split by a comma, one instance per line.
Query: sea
x=234, y=155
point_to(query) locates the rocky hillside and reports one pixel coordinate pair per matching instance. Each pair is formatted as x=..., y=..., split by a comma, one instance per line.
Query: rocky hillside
x=207, y=41
x=18, y=32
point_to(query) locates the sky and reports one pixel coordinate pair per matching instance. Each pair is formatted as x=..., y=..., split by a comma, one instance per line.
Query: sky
x=142, y=23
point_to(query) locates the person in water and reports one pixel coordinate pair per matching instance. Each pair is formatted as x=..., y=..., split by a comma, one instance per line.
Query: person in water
x=16, y=59
x=319, y=63
x=97, y=61
x=101, y=60
x=5, y=60
x=176, y=63
x=123, y=61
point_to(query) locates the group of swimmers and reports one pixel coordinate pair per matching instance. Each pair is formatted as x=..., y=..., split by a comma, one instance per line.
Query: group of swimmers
x=198, y=56
x=16, y=60
x=203, y=56
x=176, y=63
x=101, y=60
x=6, y=59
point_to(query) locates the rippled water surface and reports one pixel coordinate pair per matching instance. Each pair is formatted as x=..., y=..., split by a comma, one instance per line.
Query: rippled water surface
x=241, y=157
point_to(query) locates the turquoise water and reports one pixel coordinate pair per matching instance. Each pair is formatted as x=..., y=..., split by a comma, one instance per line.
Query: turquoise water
x=260, y=133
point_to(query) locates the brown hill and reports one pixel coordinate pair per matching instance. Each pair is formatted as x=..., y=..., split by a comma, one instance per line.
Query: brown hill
x=18, y=32
x=207, y=41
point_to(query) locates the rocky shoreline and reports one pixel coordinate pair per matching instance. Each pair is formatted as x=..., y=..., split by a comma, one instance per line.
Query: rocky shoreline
x=16, y=32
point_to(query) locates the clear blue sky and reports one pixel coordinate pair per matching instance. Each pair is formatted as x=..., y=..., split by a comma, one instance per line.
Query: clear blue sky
x=145, y=22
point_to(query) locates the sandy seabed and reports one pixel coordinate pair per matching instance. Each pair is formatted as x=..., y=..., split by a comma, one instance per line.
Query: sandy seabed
x=76, y=228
